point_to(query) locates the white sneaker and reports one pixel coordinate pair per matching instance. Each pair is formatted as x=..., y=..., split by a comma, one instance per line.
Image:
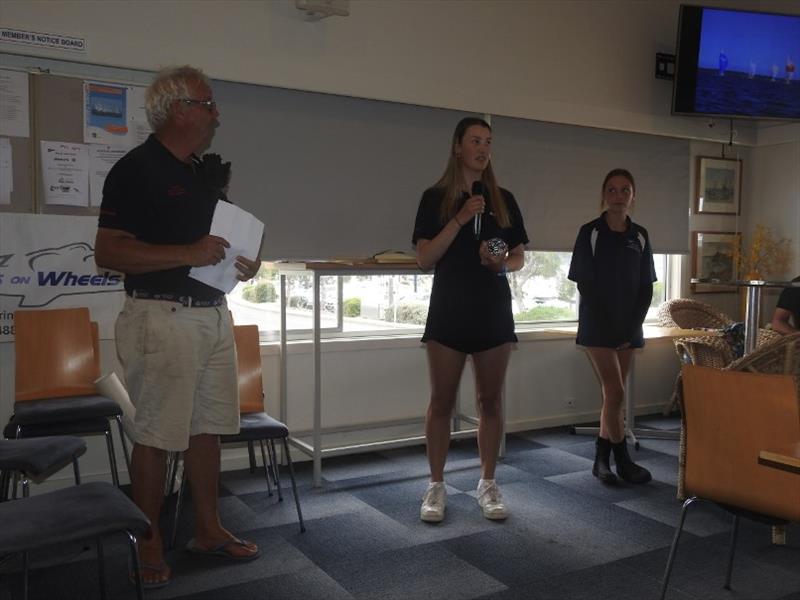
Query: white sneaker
x=491, y=500
x=433, y=502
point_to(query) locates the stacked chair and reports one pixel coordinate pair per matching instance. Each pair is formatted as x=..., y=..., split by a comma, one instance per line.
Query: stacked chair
x=255, y=424
x=89, y=511
x=35, y=460
x=57, y=362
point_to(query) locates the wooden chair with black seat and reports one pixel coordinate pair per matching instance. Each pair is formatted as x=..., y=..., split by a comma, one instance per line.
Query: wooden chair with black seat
x=728, y=418
x=57, y=361
x=255, y=424
x=90, y=511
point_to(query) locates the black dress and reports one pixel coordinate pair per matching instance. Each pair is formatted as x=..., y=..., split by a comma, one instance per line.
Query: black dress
x=470, y=306
x=615, y=274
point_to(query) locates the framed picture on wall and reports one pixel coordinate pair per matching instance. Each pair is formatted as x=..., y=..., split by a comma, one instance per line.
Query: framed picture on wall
x=719, y=185
x=714, y=256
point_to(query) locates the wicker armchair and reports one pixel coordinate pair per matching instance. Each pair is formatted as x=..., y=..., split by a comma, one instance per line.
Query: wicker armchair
x=691, y=314
x=706, y=351
x=710, y=350
x=779, y=356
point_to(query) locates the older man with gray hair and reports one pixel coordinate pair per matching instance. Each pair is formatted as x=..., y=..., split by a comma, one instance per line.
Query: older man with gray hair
x=174, y=335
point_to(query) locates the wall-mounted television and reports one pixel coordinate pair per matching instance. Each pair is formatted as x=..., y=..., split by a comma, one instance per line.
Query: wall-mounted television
x=739, y=64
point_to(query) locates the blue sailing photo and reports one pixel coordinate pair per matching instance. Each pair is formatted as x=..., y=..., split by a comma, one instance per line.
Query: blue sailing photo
x=747, y=64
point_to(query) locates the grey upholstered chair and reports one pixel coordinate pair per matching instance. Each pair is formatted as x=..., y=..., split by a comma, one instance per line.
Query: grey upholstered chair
x=76, y=513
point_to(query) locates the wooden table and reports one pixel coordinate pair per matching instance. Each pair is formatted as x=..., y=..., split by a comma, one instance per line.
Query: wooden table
x=785, y=458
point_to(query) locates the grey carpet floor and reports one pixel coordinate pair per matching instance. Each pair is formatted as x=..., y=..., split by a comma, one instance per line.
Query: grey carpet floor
x=568, y=536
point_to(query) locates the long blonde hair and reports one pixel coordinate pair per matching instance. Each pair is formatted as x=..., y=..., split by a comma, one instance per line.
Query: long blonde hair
x=452, y=181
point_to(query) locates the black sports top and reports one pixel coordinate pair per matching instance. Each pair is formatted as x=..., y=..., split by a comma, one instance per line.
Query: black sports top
x=470, y=306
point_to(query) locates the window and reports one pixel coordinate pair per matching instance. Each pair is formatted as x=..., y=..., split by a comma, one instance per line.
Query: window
x=390, y=304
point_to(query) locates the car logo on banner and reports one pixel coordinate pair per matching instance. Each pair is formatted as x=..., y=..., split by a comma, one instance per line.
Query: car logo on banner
x=39, y=277
x=46, y=261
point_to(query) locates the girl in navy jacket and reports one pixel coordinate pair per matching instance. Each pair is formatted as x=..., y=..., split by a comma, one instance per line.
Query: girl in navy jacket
x=612, y=263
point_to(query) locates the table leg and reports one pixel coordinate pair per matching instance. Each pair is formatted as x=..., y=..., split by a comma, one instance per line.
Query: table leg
x=752, y=310
x=630, y=411
x=284, y=370
x=316, y=374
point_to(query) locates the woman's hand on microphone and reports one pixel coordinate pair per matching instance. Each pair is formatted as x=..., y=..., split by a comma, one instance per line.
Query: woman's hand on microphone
x=472, y=206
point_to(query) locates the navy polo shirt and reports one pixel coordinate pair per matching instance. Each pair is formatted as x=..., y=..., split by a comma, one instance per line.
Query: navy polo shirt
x=615, y=274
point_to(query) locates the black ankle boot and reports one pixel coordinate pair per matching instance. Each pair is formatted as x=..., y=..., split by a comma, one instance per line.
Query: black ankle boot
x=626, y=468
x=602, y=456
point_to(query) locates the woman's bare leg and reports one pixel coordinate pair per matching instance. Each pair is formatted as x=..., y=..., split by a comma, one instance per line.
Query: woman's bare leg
x=490, y=372
x=445, y=366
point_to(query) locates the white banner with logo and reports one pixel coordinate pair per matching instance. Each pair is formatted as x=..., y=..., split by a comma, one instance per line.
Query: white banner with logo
x=47, y=261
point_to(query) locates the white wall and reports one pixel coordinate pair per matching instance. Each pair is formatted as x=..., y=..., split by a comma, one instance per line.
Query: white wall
x=582, y=62
x=770, y=197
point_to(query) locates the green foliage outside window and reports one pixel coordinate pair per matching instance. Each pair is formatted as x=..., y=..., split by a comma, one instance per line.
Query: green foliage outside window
x=545, y=313
x=263, y=291
x=408, y=313
x=352, y=307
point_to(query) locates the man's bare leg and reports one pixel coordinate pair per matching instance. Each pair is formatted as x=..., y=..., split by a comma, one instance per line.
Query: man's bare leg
x=202, y=467
x=148, y=471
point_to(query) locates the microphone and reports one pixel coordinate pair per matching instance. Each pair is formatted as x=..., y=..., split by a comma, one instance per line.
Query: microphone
x=478, y=189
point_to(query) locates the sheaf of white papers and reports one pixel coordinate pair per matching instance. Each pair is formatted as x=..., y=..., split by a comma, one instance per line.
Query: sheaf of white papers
x=243, y=232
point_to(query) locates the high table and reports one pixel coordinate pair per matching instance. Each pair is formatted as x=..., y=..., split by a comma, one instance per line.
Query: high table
x=753, y=303
x=785, y=458
x=320, y=269
x=633, y=433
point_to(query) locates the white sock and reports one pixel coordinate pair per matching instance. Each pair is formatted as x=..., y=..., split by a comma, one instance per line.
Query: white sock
x=485, y=483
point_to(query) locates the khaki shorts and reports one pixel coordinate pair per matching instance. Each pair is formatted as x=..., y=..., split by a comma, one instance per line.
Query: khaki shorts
x=180, y=370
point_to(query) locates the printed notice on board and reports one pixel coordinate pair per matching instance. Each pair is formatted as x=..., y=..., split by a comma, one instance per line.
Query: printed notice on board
x=113, y=114
x=101, y=159
x=65, y=173
x=6, y=171
x=14, y=115
x=137, y=116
